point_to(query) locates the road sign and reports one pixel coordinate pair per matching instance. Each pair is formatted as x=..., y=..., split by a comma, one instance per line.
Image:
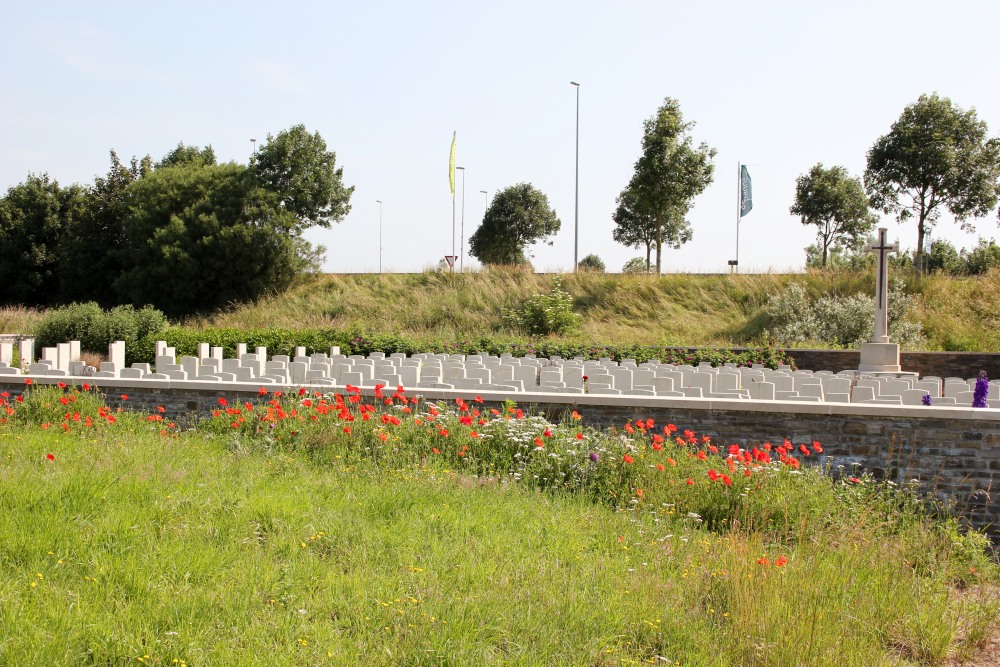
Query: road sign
x=450, y=259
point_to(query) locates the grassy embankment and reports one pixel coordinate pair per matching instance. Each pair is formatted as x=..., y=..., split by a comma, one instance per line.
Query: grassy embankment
x=437, y=535
x=677, y=309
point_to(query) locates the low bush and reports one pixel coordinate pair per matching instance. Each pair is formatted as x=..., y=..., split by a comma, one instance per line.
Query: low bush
x=843, y=321
x=545, y=314
x=284, y=341
x=95, y=328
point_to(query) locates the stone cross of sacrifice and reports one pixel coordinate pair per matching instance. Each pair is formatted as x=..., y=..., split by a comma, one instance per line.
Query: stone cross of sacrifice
x=881, y=288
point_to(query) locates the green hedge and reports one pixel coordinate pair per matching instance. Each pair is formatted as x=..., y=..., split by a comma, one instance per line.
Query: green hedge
x=284, y=341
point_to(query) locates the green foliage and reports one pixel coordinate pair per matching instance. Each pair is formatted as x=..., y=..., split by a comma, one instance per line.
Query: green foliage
x=295, y=531
x=836, y=205
x=189, y=156
x=294, y=173
x=96, y=328
x=591, y=263
x=89, y=251
x=937, y=156
x=354, y=341
x=545, y=314
x=637, y=265
x=840, y=321
x=33, y=218
x=668, y=175
x=517, y=217
x=190, y=245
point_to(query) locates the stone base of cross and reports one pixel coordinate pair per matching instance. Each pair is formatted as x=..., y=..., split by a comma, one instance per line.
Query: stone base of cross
x=881, y=356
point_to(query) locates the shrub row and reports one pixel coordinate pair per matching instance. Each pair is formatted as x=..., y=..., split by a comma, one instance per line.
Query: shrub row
x=284, y=341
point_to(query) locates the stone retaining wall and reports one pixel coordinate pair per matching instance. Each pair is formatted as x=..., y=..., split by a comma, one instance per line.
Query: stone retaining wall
x=954, y=452
x=940, y=364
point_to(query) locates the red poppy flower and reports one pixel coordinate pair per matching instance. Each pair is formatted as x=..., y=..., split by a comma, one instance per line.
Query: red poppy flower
x=50, y=457
x=61, y=385
x=124, y=397
x=539, y=443
x=579, y=436
x=727, y=480
x=262, y=391
x=628, y=459
x=780, y=562
x=689, y=481
x=660, y=467
x=763, y=561
x=28, y=381
x=712, y=475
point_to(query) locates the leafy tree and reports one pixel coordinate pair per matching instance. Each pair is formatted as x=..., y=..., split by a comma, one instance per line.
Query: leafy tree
x=295, y=174
x=636, y=265
x=634, y=227
x=33, y=219
x=591, y=263
x=192, y=243
x=94, y=239
x=982, y=258
x=188, y=155
x=836, y=204
x=668, y=175
x=517, y=217
x=935, y=157
x=944, y=258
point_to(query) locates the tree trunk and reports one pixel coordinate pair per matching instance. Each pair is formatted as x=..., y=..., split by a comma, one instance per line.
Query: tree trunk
x=826, y=244
x=919, y=268
x=659, y=243
x=649, y=251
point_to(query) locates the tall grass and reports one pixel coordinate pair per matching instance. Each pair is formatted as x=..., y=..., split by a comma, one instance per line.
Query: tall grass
x=264, y=536
x=676, y=309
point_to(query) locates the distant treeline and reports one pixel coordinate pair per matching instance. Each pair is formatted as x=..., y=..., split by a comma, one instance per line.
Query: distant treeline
x=185, y=234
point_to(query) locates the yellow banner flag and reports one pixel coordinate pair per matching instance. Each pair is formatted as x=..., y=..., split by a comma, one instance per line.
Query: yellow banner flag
x=451, y=165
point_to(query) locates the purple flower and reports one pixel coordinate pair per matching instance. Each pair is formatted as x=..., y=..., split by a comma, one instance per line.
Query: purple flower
x=594, y=457
x=926, y=400
x=981, y=390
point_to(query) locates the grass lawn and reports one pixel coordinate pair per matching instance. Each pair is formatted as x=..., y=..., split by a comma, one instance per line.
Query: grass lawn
x=263, y=536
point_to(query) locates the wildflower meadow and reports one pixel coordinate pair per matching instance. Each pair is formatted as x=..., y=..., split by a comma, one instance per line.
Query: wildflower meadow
x=340, y=528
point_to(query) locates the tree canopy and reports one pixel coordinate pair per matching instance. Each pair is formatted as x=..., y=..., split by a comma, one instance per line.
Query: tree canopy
x=936, y=157
x=670, y=173
x=295, y=173
x=517, y=217
x=836, y=204
x=186, y=234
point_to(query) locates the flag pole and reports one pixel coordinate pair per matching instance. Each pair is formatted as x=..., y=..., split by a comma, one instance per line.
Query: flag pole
x=739, y=208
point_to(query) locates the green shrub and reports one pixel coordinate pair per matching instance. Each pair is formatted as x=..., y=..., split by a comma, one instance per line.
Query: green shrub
x=844, y=321
x=95, y=328
x=545, y=314
x=284, y=341
x=592, y=263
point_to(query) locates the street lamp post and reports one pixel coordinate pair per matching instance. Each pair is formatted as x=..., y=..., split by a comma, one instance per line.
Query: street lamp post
x=379, y=202
x=461, y=242
x=254, y=142
x=576, y=203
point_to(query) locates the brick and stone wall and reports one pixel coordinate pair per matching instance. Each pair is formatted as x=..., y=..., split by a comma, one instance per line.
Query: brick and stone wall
x=953, y=452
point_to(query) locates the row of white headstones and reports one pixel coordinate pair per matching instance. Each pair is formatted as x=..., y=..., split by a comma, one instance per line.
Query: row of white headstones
x=501, y=373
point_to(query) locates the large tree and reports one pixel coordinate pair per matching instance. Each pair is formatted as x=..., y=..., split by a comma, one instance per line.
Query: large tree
x=33, y=218
x=295, y=174
x=936, y=157
x=90, y=250
x=668, y=175
x=836, y=204
x=517, y=217
x=191, y=244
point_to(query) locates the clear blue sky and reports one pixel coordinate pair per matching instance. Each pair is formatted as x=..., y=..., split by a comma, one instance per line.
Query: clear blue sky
x=777, y=85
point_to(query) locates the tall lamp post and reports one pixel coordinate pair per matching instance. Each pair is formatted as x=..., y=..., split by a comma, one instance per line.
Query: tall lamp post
x=576, y=203
x=461, y=242
x=379, y=202
x=254, y=142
